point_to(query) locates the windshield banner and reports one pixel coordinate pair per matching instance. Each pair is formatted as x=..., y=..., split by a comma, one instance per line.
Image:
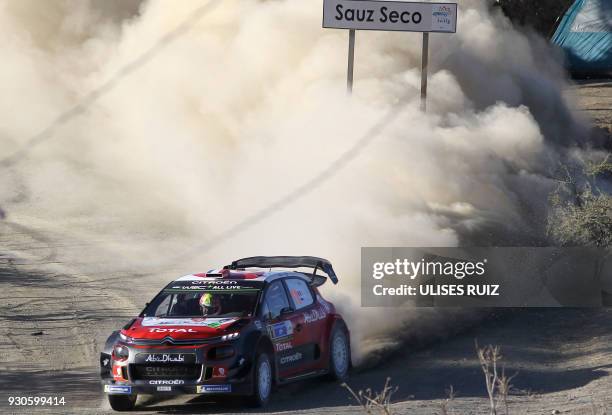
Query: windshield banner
x=200, y=322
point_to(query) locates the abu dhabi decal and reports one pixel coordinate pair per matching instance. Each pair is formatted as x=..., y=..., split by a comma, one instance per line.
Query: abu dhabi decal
x=197, y=322
x=214, y=388
x=313, y=315
x=165, y=358
x=281, y=330
x=181, y=358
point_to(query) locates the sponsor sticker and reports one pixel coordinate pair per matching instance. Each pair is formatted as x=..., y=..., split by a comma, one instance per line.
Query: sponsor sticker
x=283, y=346
x=212, y=285
x=198, y=322
x=158, y=330
x=280, y=330
x=313, y=315
x=167, y=382
x=165, y=358
x=292, y=358
x=214, y=388
x=176, y=358
x=298, y=296
x=118, y=389
x=219, y=372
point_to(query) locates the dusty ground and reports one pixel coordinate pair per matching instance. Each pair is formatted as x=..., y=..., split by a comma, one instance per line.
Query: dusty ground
x=55, y=313
x=593, y=99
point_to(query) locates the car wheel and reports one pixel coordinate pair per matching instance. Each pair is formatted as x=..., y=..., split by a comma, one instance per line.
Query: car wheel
x=122, y=402
x=262, y=381
x=339, y=354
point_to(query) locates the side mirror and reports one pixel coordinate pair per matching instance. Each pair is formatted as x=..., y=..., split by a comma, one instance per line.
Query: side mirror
x=286, y=310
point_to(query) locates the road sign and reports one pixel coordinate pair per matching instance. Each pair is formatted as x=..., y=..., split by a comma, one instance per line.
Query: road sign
x=390, y=16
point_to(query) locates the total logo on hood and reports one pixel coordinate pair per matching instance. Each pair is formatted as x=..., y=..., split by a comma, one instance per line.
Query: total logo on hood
x=180, y=328
x=158, y=330
x=199, y=322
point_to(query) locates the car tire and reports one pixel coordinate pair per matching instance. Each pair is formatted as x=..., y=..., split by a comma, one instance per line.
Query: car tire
x=339, y=354
x=122, y=402
x=262, y=381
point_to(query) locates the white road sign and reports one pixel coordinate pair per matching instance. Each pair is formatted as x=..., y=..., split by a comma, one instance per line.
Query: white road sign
x=390, y=15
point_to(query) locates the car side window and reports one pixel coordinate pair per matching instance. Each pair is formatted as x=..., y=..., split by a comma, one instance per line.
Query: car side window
x=299, y=292
x=276, y=300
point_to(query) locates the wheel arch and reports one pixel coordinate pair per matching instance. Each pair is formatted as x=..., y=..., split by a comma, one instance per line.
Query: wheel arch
x=264, y=344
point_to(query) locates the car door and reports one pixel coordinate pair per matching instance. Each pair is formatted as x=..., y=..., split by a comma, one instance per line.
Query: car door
x=285, y=328
x=311, y=317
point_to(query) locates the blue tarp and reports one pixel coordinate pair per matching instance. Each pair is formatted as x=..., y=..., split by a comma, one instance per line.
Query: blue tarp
x=585, y=34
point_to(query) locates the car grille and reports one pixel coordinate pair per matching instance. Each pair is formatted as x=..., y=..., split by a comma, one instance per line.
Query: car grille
x=165, y=371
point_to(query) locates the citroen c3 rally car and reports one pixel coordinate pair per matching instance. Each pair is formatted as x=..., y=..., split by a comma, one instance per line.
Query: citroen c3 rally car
x=238, y=330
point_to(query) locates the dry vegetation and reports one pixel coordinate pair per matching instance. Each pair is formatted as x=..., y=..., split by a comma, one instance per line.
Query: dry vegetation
x=497, y=384
x=498, y=388
x=581, y=213
x=374, y=402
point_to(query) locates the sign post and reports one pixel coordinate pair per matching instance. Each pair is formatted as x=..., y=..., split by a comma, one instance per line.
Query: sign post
x=424, y=65
x=390, y=16
x=351, y=61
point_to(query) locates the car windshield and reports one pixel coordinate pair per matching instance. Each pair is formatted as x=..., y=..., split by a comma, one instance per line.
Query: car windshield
x=189, y=300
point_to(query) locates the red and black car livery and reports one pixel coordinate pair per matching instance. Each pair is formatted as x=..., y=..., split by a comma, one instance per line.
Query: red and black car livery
x=267, y=327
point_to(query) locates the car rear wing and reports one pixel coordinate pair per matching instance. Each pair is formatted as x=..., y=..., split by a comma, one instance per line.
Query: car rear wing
x=289, y=262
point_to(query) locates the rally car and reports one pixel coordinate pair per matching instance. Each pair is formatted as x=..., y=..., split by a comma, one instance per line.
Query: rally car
x=239, y=330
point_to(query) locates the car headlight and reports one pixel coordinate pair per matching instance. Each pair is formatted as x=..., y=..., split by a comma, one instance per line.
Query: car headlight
x=120, y=352
x=231, y=336
x=125, y=338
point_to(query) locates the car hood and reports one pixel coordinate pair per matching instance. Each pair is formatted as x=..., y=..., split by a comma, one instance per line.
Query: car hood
x=155, y=328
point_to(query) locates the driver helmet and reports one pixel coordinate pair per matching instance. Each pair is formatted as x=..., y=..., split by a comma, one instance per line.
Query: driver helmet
x=210, y=303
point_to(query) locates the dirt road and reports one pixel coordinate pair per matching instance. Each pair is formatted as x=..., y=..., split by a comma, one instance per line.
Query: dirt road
x=593, y=99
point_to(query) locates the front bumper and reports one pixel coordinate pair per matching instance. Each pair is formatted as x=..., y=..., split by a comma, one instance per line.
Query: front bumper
x=198, y=376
